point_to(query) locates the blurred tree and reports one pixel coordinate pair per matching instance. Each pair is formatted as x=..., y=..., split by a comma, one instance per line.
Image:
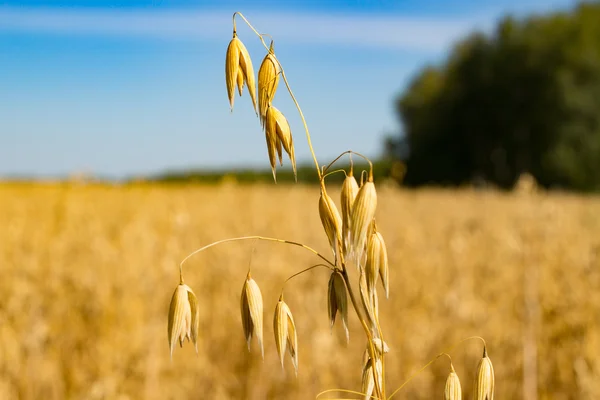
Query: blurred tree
x=524, y=99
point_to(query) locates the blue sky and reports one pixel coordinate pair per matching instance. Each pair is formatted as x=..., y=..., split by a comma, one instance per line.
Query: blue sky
x=119, y=88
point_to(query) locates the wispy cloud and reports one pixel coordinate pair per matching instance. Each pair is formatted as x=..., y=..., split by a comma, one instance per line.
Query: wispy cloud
x=400, y=32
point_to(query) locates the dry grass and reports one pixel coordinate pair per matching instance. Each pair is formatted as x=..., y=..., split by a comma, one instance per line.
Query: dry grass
x=88, y=271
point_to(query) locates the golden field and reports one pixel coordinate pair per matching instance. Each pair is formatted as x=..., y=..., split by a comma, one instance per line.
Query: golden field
x=87, y=273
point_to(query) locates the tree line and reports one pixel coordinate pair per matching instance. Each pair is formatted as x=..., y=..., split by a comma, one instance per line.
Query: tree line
x=523, y=99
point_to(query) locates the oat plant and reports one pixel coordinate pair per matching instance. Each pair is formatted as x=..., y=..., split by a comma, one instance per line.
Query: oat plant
x=353, y=236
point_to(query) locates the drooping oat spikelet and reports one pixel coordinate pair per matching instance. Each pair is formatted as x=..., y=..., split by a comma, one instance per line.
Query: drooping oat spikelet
x=268, y=79
x=238, y=69
x=367, y=300
x=484, y=380
x=252, y=312
x=377, y=261
x=452, y=391
x=380, y=348
x=337, y=301
x=384, y=271
x=363, y=212
x=331, y=220
x=277, y=129
x=183, y=318
x=372, y=263
x=285, y=333
x=368, y=380
x=349, y=192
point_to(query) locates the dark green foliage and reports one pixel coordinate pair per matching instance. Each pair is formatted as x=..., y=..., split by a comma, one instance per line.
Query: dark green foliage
x=306, y=174
x=525, y=99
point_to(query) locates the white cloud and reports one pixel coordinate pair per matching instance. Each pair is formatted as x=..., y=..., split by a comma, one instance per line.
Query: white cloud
x=400, y=32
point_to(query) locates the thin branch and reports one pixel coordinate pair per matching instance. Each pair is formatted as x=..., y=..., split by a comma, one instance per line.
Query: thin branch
x=436, y=357
x=252, y=238
x=306, y=270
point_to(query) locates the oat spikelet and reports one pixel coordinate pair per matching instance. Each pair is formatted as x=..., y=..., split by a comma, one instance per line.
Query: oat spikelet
x=279, y=135
x=337, y=301
x=380, y=347
x=363, y=212
x=384, y=271
x=484, y=380
x=252, y=312
x=331, y=220
x=285, y=333
x=239, y=70
x=367, y=299
x=377, y=261
x=368, y=381
x=183, y=318
x=268, y=79
x=372, y=263
x=273, y=144
x=452, y=391
x=349, y=192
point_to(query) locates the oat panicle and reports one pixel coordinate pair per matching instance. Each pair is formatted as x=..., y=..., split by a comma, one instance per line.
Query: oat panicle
x=348, y=195
x=352, y=235
x=377, y=261
x=279, y=136
x=285, y=333
x=484, y=379
x=452, y=390
x=239, y=70
x=268, y=80
x=363, y=212
x=331, y=220
x=183, y=319
x=252, y=312
x=337, y=301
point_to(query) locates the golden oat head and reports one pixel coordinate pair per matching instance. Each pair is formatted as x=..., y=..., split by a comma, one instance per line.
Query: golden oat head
x=252, y=312
x=368, y=380
x=331, y=220
x=452, y=390
x=363, y=212
x=337, y=301
x=268, y=79
x=484, y=379
x=239, y=70
x=279, y=135
x=284, y=329
x=349, y=192
x=183, y=321
x=377, y=261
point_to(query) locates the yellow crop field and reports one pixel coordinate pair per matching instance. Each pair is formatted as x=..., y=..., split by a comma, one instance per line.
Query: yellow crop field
x=87, y=273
